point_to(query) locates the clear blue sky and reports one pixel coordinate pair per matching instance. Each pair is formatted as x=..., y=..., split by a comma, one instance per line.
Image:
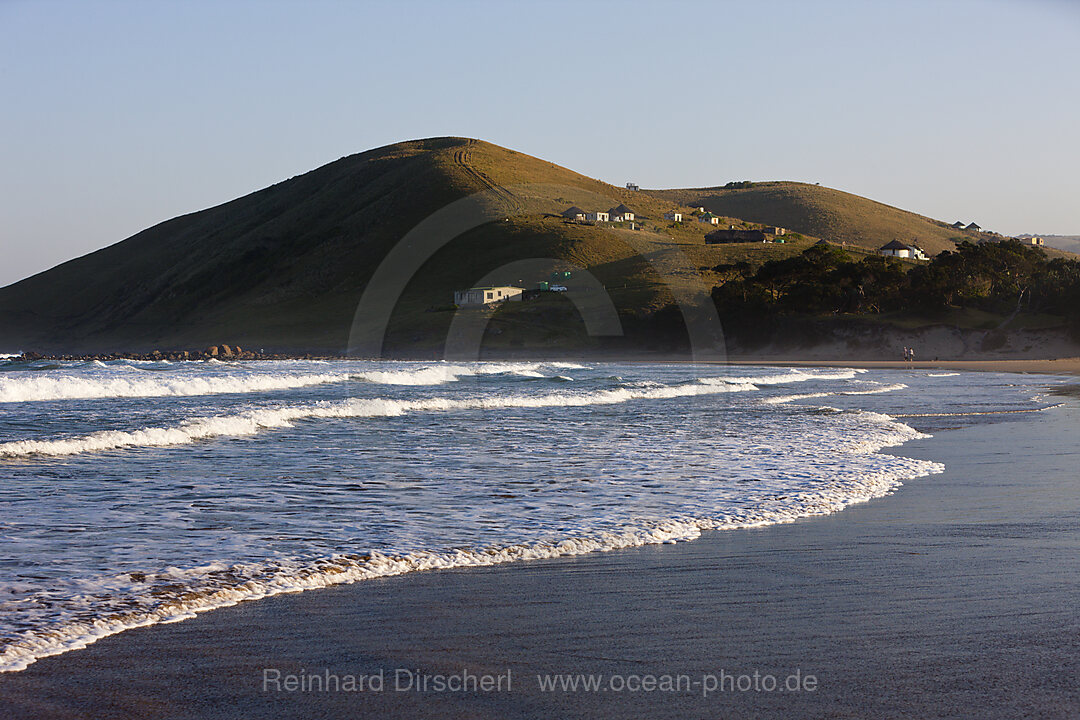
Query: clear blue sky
x=118, y=115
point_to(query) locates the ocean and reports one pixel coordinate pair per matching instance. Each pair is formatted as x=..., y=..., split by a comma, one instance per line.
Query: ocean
x=135, y=493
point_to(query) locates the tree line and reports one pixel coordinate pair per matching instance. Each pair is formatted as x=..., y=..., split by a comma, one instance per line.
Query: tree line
x=999, y=277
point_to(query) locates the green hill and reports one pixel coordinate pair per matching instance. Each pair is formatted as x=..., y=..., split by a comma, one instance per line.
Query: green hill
x=284, y=268
x=835, y=215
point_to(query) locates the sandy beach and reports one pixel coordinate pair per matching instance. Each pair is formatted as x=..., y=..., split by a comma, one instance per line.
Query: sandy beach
x=1053, y=366
x=953, y=597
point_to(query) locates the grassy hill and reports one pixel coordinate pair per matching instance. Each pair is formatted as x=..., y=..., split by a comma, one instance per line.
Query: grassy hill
x=284, y=268
x=823, y=212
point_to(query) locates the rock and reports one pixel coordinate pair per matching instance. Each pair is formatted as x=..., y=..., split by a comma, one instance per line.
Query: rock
x=212, y=351
x=226, y=351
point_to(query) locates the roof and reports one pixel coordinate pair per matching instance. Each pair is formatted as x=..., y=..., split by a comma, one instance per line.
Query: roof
x=620, y=209
x=958, y=224
x=572, y=211
x=895, y=245
x=973, y=226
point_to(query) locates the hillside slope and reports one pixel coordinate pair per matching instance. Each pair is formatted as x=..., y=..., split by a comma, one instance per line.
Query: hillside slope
x=285, y=267
x=834, y=215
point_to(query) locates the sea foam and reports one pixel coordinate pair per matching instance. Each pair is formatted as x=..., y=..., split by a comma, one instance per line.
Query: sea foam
x=254, y=421
x=176, y=594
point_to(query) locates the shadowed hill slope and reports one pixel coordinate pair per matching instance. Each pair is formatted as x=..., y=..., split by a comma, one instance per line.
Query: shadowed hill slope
x=284, y=266
x=834, y=215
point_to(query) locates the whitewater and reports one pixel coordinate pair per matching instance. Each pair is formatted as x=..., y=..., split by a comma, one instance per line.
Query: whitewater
x=142, y=493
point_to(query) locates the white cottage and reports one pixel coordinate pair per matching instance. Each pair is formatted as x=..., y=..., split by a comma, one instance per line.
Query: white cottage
x=902, y=250
x=487, y=295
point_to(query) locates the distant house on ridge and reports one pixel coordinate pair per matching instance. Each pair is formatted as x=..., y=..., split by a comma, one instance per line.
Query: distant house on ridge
x=974, y=227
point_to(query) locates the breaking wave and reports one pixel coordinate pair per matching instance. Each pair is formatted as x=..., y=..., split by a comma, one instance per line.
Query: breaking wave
x=176, y=594
x=254, y=421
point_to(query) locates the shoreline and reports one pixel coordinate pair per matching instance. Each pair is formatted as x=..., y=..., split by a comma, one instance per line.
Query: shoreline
x=1053, y=366
x=899, y=606
x=1044, y=366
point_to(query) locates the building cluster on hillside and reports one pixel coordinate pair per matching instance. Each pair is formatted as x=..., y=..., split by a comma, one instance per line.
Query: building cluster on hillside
x=619, y=213
x=990, y=236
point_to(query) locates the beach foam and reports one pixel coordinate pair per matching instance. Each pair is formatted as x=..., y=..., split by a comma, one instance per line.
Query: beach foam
x=176, y=594
x=254, y=421
x=71, y=387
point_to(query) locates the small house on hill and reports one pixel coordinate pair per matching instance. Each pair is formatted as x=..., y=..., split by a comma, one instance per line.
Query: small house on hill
x=574, y=213
x=487, y=295
x=773, y=230
x=959, y=224
x=709, y=219
x=1034, y=241
x=974, y=227
x=673, y=216
x=632, y=187
x=621, y=213
x=598, y=217
x=731, y=235
x=902, y=250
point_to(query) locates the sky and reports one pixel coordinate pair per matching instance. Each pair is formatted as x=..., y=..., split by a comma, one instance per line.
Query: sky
x=118, y=115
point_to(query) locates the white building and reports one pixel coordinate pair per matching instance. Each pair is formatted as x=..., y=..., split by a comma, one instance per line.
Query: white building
x=709, y=219
x=673, y=216
x=901, y=250
x=487, y=295
x=1034, y=240
x=621, y=213
x=598, y=217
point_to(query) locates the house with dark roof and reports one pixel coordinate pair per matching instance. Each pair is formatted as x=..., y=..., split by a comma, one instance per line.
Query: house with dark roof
x=902, y=250
x=574, y=213
x=974, y=227
x=959, y=224
x=731, y=235
x=621, y=213
x=709, y=219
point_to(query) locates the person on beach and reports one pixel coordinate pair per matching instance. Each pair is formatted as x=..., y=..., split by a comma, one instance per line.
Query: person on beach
x=906, y=351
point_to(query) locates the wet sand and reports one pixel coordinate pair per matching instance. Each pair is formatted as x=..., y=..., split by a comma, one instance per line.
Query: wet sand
x=955, y=597
x=1057, y=366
